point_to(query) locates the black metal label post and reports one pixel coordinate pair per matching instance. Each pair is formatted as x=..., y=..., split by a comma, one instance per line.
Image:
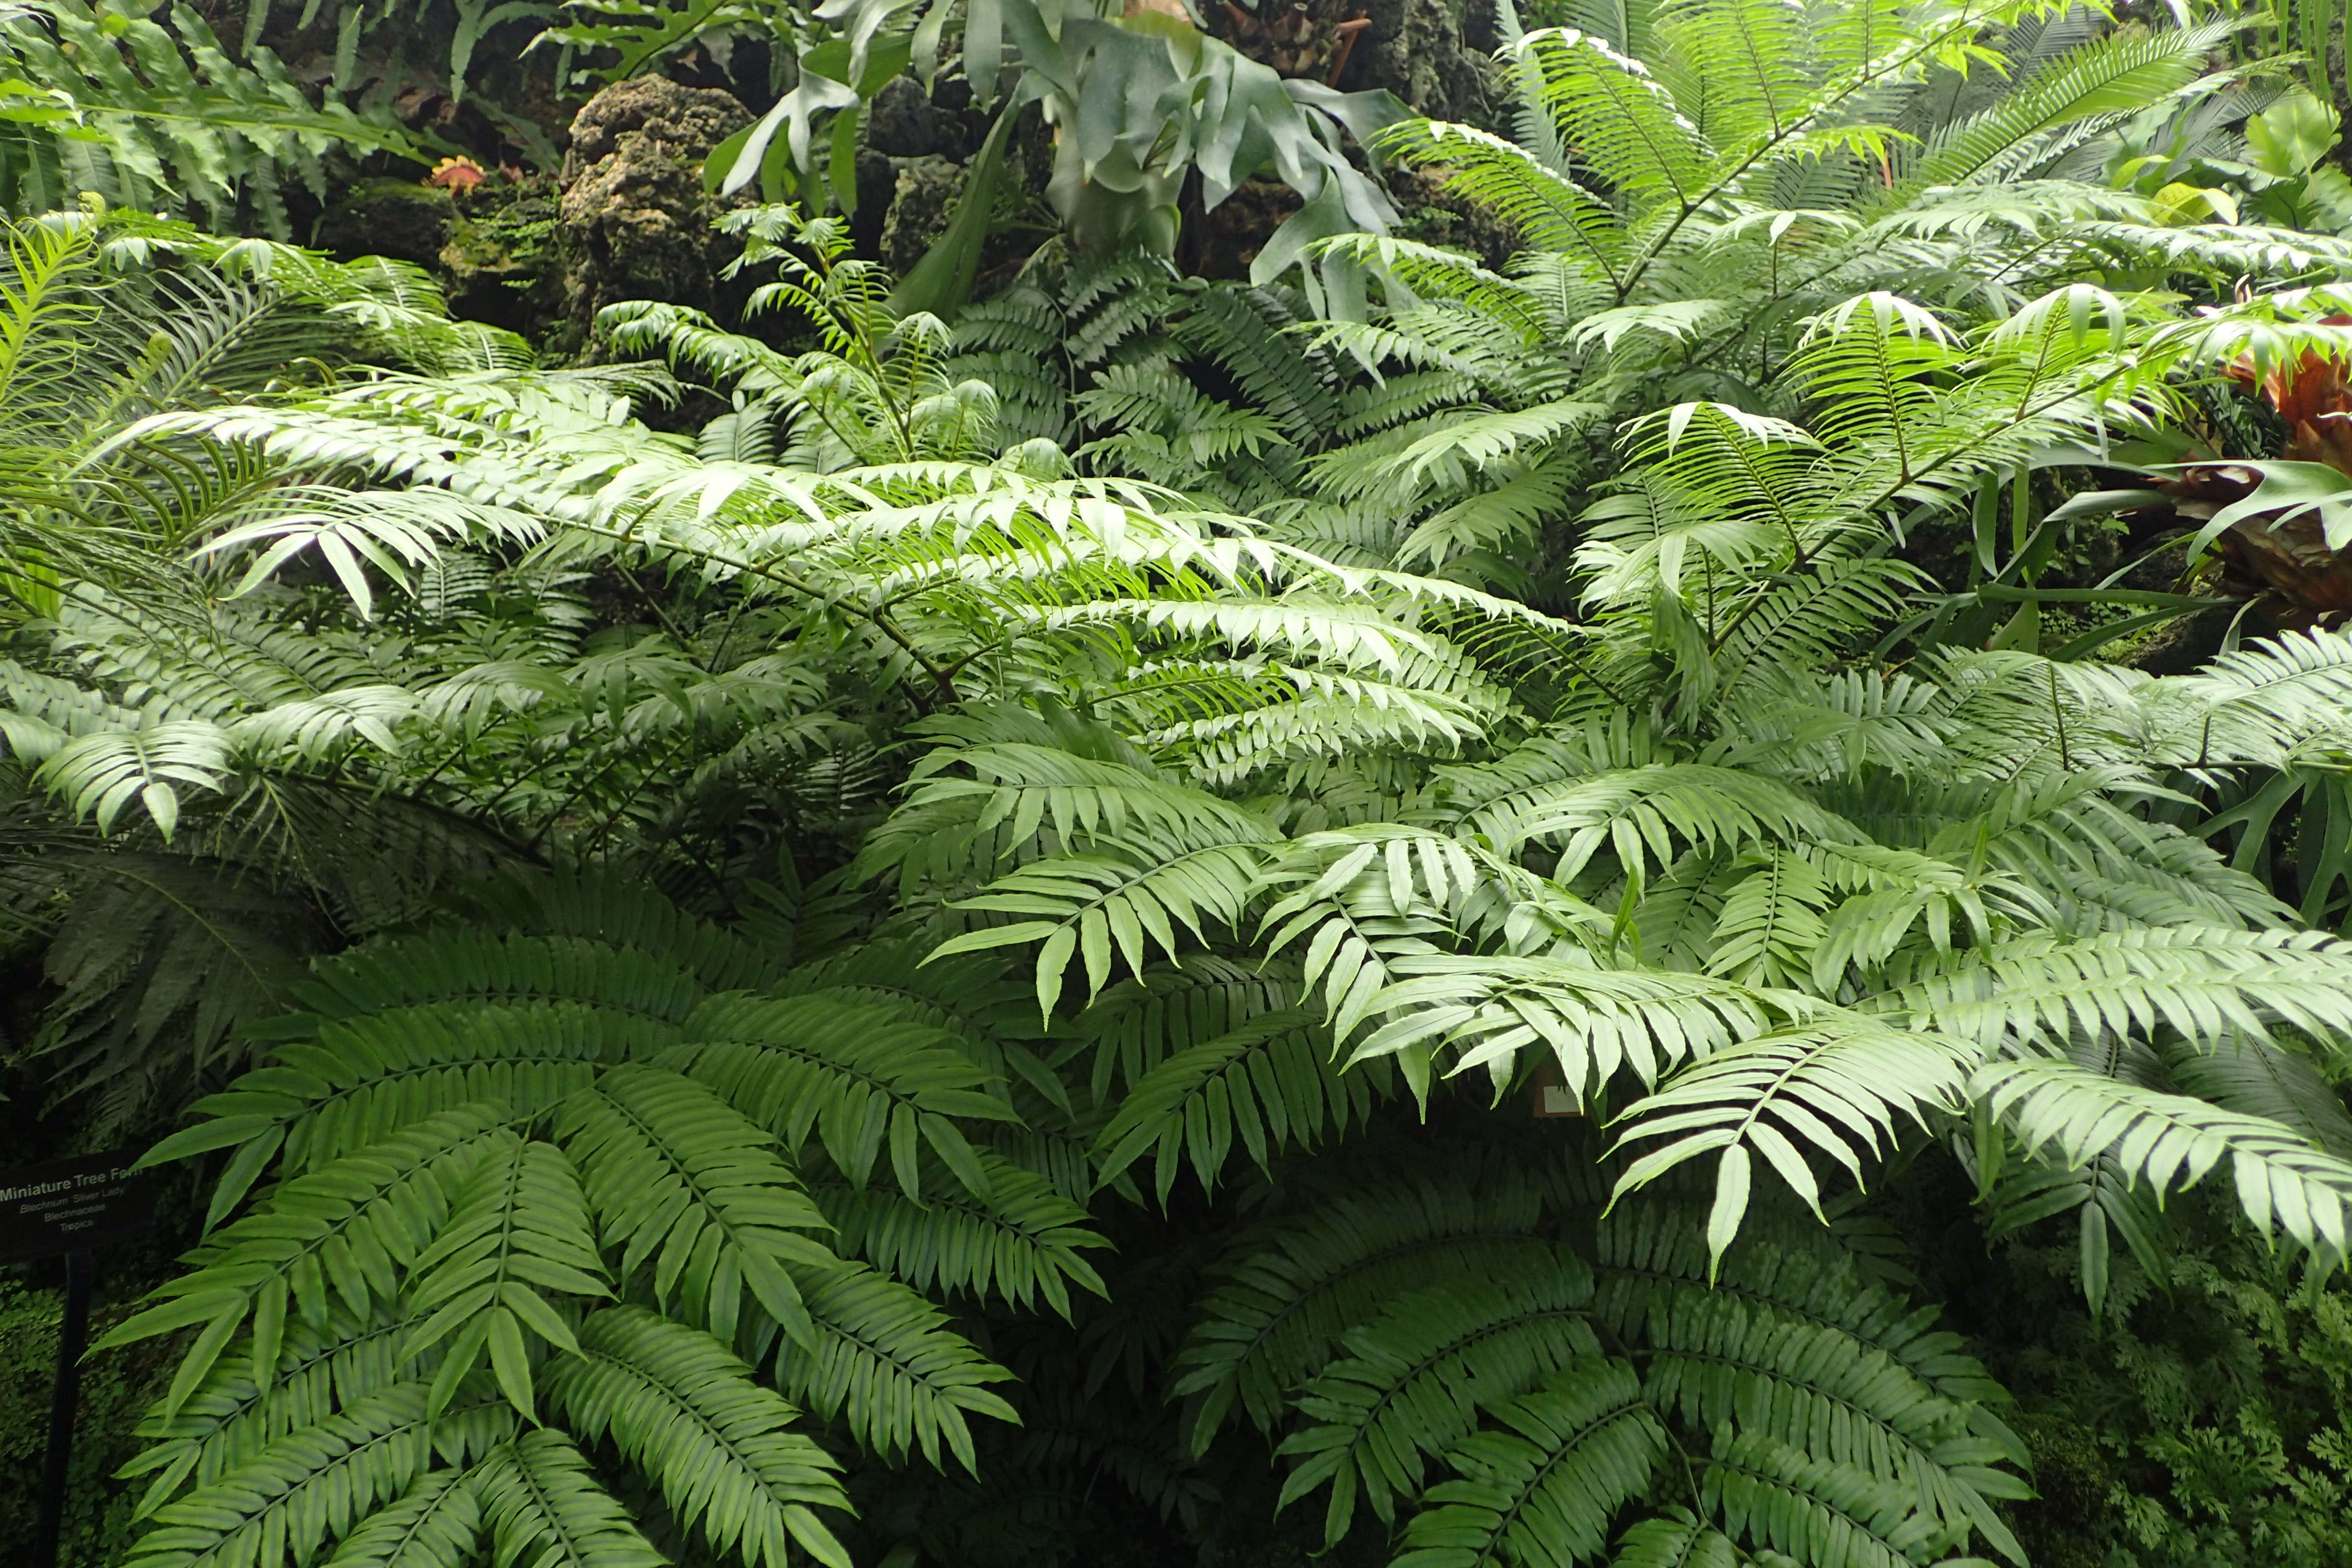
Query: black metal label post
x=68, y=1206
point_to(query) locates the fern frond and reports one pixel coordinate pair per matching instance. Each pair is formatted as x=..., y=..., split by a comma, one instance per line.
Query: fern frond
x=542, y=1505
x=2169, y=1140
x=1837, y=1087
x=1022, y=1242
x=1271, y=1083
x=861, y=1079
x=680, y=1405
x=1580, y=1444
x=437, y=1524
x=886, y=1366
x=1415, y=1379
x=316, y=1482
x=689, y=1188
x=1300, y=1284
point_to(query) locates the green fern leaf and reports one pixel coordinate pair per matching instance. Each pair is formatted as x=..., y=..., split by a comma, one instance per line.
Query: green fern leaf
x=886, y=1365
x=544, y=1507
x=437, y=1524
x=1414, y=1379
x=1580, y=1446
x=314, y=1484
x=862, y=1079
x=1271, y=1083
x=678, y=1403
x=1835, y=1088
x=1023, y=1241
x=1297, y=1286
x=1775, y=1497
x=694, y=1195
x=518, y=1226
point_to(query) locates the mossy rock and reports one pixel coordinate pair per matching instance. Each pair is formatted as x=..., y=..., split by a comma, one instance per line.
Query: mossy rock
x=927, y=191
x=634, y=221
x=500, y=264
x=404, y=219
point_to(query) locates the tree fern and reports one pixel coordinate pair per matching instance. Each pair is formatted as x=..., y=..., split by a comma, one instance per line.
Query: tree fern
x=483, y=1258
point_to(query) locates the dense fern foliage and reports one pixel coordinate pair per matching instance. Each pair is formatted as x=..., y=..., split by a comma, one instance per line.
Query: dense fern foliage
x=146, y=116
x=856, y=939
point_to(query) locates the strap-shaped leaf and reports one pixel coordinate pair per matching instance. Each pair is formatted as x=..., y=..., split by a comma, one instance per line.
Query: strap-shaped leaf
x=678, y=1403
x=689, y=1189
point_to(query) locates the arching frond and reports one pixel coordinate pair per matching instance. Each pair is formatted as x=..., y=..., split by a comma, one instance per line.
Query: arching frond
x=678, y=1403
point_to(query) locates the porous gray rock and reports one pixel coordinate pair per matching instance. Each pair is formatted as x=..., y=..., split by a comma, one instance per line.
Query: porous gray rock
x=404, y=219
x=634, y=221
x=1414, y=48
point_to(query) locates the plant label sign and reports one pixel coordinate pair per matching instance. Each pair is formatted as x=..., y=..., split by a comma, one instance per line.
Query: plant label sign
x=72, y=1205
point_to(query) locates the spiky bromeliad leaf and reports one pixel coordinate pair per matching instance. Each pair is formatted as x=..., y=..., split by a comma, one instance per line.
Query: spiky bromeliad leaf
x=678, y=1404
x=1577, y=1446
